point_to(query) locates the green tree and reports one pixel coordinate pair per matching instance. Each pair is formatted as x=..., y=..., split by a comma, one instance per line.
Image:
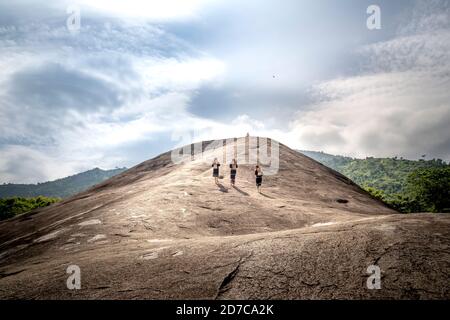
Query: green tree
x=431, y=186
x=10, y=207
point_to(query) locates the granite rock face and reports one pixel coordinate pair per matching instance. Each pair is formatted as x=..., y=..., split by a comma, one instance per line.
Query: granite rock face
x=163, y=230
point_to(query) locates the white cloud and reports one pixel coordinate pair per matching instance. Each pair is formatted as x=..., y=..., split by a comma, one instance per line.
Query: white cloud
x=21, y=164
x=400, y=106
x=381, y=115
x=153, y=88
x=148, y=9
x=187, y=74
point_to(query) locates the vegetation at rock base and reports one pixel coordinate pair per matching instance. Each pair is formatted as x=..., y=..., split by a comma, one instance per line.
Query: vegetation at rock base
x=20, y=198
x=406, y=185
x=10, y=207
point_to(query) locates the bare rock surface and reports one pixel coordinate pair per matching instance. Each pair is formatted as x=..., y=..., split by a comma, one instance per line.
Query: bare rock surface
x=165, y=231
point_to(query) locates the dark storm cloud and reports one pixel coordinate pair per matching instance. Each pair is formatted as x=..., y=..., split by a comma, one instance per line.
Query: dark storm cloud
x=53, y=86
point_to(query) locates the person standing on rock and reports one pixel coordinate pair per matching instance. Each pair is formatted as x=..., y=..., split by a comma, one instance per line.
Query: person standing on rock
x=215, y=167
x=258, y=175
x=233, y=171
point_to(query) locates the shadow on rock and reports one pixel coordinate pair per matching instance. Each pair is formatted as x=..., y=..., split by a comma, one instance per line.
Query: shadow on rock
x=240, y=191
x=222, y=188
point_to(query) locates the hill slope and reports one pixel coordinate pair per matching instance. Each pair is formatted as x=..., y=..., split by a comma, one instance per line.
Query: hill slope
x=60, y=188
x=165, y=230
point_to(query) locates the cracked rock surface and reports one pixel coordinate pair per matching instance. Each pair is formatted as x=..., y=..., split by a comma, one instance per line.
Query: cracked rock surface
x=165, y=231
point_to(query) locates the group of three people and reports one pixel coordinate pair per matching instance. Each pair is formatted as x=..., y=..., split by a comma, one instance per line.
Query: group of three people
x=233, y=172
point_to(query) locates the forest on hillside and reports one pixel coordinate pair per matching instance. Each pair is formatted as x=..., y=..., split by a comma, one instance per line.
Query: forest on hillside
x=20, y=198
x=406, y=185
x=10, y=207
x=60, y=188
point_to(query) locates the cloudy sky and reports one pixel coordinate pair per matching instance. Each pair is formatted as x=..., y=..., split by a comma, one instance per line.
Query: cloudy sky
x=141, y=77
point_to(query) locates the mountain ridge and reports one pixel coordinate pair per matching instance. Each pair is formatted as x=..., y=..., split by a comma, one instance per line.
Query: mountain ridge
x=59, y=188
